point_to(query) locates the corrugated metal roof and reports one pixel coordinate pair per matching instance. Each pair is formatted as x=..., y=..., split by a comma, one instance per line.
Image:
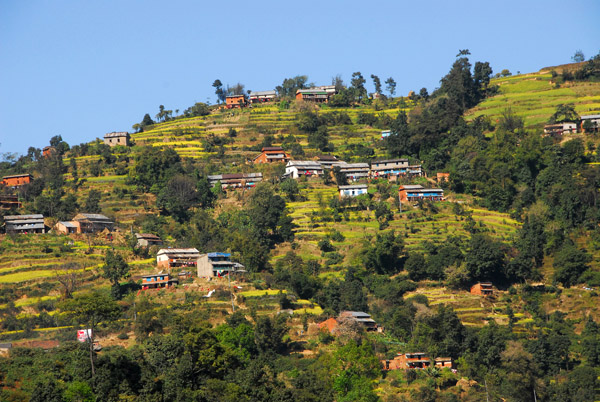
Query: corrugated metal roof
x=68, y=224
x=23, y=217
x=26, y=226
x=116, y=134
x=17, y=175
x=590, y=116
x=218, y=254
x=263, y=93
x=352, y=186
x=178, y=251
x=411, y=187
x=98, y=217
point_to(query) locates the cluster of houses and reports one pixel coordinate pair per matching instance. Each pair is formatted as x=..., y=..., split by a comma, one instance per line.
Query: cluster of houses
x=319, y=94
x=569, y=127
x=184, y=261
x=81, y=223
x=415, y=360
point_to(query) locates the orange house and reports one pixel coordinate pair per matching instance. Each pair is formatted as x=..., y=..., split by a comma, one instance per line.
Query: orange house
x=443, y=177
x=233, y=101
x=272, y=154
x=482, y=289
x=17, y=180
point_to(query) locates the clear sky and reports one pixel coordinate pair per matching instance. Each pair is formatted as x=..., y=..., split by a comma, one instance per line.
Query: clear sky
x=84, y=68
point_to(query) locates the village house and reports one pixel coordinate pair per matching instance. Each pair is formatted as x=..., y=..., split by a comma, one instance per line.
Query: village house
x=17, y=180
x=10, y=201
x=442, y=177
x=560, y=128
x=262, y=96
x=482, y=289
x=235, y=180
x=353, y=190
x=92, y=223
x=217, y=264
x=326, y=161
x=385, y=134
x=296, y=169
x=235, y=101
x=360, y=317
x=416, y=192
x=117, y=138
x=48, y=151
x=416, y=360
x=24, y=224
x=178, y=258
x=272, y=154
x=148, y=239
x=312, y=95
x=389, y=167
x=329, y=89
x=415, y=171
x=353, y=171
x=66, y=227
x=160, y=280
x=594, y=119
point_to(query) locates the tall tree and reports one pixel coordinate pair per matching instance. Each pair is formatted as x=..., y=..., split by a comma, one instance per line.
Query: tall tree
x=391, y=86
x=218, y=85
x=358, y=86
x=376, y=83
x=114, y=269
x=89, y=310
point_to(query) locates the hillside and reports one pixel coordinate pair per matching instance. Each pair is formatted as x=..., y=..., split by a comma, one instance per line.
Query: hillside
x=519, y=211
x=534, y=97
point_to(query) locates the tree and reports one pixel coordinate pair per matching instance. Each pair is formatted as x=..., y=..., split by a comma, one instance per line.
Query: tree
x=114, y=269
x=178, y=196
x=569, y=264
x=376, y=83
x=385, y=256
x=564, y=113
x=521, y=372
x=221, y=95
x=92, y=202
x=390, y=86
x=424, y=94
x=485, y=258
x=269, y=333
x=358, y=86
x=578, y=57
x=290, y=85
x=89, y=310
x=237, y=89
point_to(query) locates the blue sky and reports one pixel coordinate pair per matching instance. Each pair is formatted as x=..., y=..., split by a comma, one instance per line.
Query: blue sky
x=84, y=68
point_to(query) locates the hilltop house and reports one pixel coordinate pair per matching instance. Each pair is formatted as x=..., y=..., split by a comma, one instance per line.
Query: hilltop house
x=296, y=169
x=262, y=96
x=360, y=317
x=482, y=289
x=312, y=95
x=415, y=192
x=560, y=128
x=17, y=180
x=116, y=138
x=91, y=223
x=24, y=224
x=48, y=151
x=235, y=101
x=160, y=280
x=272, y=154
x=235, y=180
x=177, y=258
x=352, y=190
x=147, y=240
x=216, y=264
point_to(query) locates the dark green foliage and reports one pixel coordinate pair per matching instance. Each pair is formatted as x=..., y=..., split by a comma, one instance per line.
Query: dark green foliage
x=154, y=166
x=564, y=113
x=92, y=202
x=114, y=269
x=569, y=264
x=268, y=334
x=485, y=259
x=178, y=196
x=199, y=109
x=290, y=85
x=385, y=255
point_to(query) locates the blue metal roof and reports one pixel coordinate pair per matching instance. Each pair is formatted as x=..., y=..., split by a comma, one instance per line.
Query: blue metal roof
x=211, y=255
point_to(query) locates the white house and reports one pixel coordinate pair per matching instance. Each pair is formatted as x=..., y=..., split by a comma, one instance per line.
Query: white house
x=353, y=190
x=296, y=169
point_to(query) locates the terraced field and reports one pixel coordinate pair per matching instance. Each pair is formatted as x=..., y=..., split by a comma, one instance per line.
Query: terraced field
x=356, y=226
x=535, y=96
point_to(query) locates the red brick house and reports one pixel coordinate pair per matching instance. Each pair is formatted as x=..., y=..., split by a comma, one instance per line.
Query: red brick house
x=482, y=289
x=235, y=101
x=17, y=180
x=272, y=154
